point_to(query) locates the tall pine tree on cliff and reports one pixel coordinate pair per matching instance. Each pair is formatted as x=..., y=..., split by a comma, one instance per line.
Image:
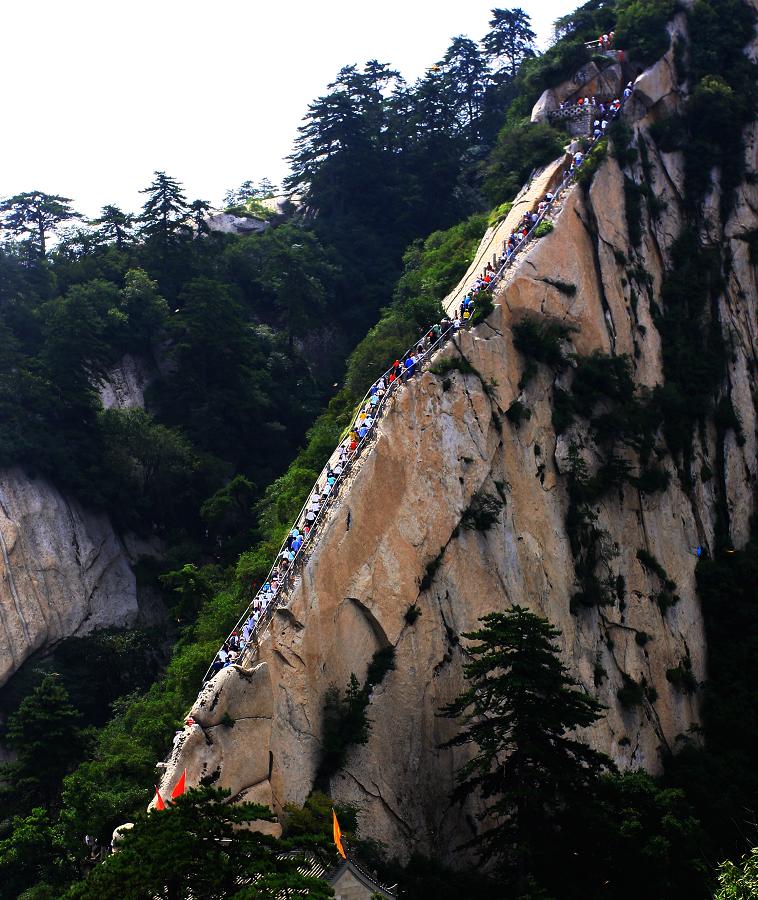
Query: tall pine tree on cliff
x=518, y=713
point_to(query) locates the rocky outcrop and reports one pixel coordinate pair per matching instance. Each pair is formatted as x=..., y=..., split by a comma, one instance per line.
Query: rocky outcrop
x=548, y=179
x=589, y=81
x=227, y=223
x=125, y=384
x=399, y=538
x=63, y=570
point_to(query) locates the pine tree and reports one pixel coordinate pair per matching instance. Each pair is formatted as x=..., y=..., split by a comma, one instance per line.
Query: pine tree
x=34, y=214
x=510, y=40
x=45, y=734
x=114, y=226
x=517, y=713
x=466, y=69
x=199, y=210
x=165, y=211
x=196, y=848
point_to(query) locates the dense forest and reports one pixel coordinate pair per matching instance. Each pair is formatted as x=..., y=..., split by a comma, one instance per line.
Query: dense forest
x=259, y=347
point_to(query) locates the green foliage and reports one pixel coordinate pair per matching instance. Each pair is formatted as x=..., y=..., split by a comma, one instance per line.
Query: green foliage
x=719, y=777
x=621, y=136
x=723, y=95
x=113, y=783
x=346, y=720
x=431, y=570
x=517, y=715
x=32, y=856
x=193, y=588
x=510, y=40
x=499, y=213
x=196, y=847
x=739, y=882
x=382, y=662
x=345, y=723
x=682, y=676
x=412, y=614
x=557, y=64
x=641, y=28
x=483, y=308
x=95, y=669
x=432, y=268
x=482, y=513
x=591, y=547
x=45, y=735
x=435, y=265
x=155, y=473
x=32, y=215
x=651, y=480
x=541, y=339
x=517, y=413
x=451, y=363
x=641, y=839
x=314, y=817
x=521, y=147
x=670, y=133
x=543, y=229
x=631, y=693
x=565, y=287
x=651, y=564
x=592, y=162
x=423, y=877
x=563, y=410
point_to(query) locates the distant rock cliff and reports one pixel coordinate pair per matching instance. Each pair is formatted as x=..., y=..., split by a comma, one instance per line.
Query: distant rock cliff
x=397, y=539
x=63, y=570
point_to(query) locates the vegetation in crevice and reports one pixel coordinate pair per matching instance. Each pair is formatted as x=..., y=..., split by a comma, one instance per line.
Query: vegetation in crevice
x=482, y=513
x=682, y=676
x=345, y=721
x=517, y=413
x=666, y=595
x=412, y=614
x=431, y=570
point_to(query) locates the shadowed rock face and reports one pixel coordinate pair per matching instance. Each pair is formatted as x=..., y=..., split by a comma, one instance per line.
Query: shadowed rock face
x=441, y=442
x=63, y=570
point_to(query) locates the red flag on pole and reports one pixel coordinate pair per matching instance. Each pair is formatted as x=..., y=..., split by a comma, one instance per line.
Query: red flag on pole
x=179, y=787
x=159, y=804
x=338, y=835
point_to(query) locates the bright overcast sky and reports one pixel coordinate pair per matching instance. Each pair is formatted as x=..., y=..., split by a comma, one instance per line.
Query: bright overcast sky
x=100, y=94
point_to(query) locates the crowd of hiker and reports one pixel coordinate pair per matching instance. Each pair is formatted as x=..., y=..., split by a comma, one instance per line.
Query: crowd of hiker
x=328, y=485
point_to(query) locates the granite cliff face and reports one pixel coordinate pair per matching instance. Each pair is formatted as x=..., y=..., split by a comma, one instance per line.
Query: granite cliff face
x=63, y=570
x=396, y=539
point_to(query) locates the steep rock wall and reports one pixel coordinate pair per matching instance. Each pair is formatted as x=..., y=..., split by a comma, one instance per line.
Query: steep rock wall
x=442, y=441
x=63, y=570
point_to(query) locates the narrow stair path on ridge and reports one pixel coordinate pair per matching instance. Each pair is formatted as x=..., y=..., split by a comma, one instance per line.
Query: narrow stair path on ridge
x=547, y=179
x=553, y=177
x=559, y=179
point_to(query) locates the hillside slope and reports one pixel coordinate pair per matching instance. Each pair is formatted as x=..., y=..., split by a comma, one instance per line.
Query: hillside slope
x=444, y=442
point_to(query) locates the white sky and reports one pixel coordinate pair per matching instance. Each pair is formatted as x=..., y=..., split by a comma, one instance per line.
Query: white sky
x=98, y=94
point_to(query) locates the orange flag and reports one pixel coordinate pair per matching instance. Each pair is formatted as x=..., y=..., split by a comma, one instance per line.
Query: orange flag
x=338, y=835
x=159, y=804
x=179, y=786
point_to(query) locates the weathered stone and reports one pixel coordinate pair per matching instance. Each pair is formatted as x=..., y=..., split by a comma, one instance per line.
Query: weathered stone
x=547, y=103
x=64, y=570
x=227, y=223
x=124, y=386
